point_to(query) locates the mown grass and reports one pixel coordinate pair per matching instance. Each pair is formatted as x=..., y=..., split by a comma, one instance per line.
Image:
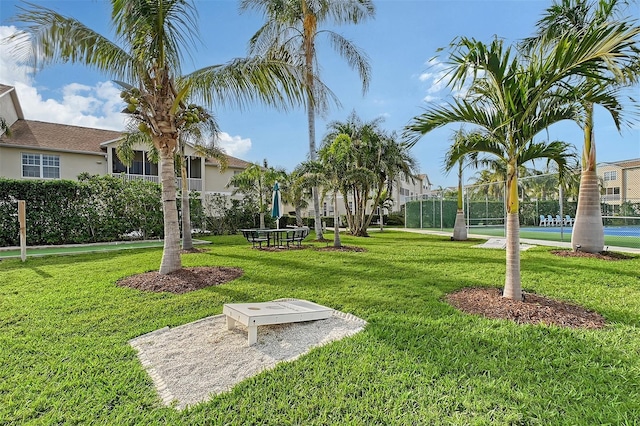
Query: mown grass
x=64, y=327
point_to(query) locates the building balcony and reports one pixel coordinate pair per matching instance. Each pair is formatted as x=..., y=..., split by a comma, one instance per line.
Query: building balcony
x=610, y=197
x=192, y=183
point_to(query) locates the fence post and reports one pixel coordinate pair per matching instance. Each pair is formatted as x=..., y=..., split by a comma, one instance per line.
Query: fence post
x=22, y=218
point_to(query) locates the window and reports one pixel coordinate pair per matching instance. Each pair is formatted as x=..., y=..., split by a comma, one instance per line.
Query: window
x=195, y=171
x=41, y=166
x=613, y=175
x=140, y=164
x=613, y=191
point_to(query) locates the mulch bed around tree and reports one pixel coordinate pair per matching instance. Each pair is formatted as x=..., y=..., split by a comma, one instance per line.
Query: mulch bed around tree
x=283, y=248
x=534, y=309
x=605, y=255
x=183, y=280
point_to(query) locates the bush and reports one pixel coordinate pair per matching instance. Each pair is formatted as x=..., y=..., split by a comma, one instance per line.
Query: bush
x=93, y=209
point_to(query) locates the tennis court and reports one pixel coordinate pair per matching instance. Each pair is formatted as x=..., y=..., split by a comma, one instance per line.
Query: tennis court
x=621, y=236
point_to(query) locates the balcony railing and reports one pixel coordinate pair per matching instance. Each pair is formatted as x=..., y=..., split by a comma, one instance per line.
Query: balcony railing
x=192, y=184
x=129, y=177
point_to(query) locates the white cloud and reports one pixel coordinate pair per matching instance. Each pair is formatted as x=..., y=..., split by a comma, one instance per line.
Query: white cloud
x=235, y=146
x=96, y=106
x=11, y=72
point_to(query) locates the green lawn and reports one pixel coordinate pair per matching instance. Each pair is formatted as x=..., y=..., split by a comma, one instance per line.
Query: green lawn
x=64, y=327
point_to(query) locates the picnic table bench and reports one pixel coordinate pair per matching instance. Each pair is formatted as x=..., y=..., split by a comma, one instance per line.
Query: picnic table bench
x=275, y=237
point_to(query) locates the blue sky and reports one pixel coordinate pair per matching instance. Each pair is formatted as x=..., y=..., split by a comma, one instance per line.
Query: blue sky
x=400, y=42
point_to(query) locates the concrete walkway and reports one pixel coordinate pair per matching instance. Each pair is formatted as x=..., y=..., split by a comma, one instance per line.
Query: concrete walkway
x=566, y=245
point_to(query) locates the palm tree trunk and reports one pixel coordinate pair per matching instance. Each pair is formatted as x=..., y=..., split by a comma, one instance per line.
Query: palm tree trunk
x=298, y=216
x=171, y=252
x=513, y=285
x=187, y=242
x=309, y=48
x=460, y=226
x=588, y=231
x=336, y=221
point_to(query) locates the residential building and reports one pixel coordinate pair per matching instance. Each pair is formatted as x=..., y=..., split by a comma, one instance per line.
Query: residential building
x=403, y=189
x=41, y=150
x=620, y=182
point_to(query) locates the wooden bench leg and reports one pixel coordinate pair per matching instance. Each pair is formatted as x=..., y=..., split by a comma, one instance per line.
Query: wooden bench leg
x=253, y=334
x=231, y=323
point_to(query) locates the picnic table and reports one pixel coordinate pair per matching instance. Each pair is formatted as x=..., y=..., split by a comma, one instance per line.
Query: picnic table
x=275, y=237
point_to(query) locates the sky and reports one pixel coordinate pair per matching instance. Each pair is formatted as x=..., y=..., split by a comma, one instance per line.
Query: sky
x=402, y=44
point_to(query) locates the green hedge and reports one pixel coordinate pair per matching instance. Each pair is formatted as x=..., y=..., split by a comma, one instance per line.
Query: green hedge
x=93, y=209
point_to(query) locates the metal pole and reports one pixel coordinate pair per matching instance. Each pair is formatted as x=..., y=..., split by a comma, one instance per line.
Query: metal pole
x=421, y=200
x=441, y=200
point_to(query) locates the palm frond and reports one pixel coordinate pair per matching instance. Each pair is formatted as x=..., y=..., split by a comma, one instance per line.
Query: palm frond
x=50, y=38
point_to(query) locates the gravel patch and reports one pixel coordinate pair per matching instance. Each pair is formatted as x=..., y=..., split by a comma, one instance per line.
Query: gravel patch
x=193, y=362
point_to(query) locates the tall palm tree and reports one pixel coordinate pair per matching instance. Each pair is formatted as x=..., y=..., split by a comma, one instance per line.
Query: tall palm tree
x=202, y=125
x=293, y=25
x=512, y=100
x=460, y=139
x=576, y=17
x=330, y=171
x=152, y=37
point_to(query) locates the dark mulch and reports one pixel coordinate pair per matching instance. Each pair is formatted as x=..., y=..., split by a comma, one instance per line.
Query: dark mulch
x=605, y=255
x=341, y=248
x=283, y=248
x=181, y=281
x=193, y=250
x=534, y=309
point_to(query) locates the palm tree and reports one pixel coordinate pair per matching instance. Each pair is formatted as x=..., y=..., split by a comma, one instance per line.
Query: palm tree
x=295, y=191
x=256, y=182
x=460, y=139
x=577, y=17
x=384, y=202
x=293, y=25
x=330, y=171
x=152, y=37
x=193, y=134
x=511, y=100
x=375, y=161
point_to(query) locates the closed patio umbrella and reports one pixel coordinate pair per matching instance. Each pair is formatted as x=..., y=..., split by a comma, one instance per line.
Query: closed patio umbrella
x=276, y=205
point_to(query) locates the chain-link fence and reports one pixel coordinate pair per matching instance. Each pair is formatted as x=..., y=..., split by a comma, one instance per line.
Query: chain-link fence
x=546, y=207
